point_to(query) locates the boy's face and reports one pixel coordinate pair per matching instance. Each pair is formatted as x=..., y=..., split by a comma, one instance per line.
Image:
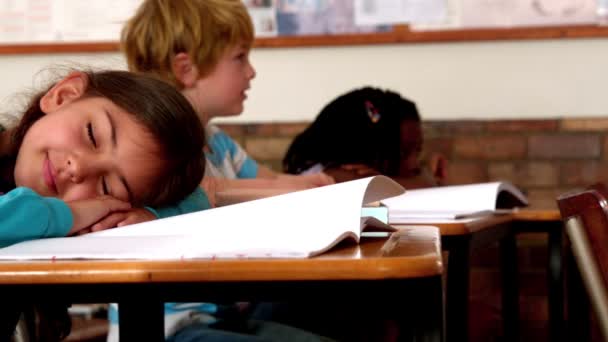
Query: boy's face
x=223, y=91
x=88, y=148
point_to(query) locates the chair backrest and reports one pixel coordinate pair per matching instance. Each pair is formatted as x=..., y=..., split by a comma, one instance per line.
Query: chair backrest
x=585, y=216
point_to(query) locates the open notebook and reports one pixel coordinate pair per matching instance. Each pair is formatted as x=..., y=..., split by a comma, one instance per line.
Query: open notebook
x=453, y=202
x=293, y=225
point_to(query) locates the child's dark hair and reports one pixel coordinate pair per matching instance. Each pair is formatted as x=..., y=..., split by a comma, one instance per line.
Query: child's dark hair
x=163, y=111
x=362, y=126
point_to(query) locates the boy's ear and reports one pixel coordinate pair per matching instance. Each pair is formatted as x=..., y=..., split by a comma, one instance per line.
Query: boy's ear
x=65, y=91
x=184, y=69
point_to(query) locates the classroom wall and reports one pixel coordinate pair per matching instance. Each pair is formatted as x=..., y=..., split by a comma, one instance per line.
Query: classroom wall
x=451, y=81
x=543, y=157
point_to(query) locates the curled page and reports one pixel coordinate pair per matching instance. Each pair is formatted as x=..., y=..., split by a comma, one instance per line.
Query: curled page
x=297, y=224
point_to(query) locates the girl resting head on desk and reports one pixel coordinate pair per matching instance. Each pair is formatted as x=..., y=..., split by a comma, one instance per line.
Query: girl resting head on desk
x=365, y=132
x=94, y=144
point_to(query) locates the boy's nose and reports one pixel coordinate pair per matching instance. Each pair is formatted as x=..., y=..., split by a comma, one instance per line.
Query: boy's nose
x=252, y=72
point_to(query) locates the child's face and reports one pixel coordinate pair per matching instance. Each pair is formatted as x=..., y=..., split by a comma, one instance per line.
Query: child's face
x=86, y=148
x=223, y=91
x=411, y=147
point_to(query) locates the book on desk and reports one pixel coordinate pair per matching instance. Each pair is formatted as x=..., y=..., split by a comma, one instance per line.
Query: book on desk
x=454, y=202
x=299, y=224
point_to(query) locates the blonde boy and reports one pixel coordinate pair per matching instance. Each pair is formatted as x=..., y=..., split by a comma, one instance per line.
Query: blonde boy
x=202, y=48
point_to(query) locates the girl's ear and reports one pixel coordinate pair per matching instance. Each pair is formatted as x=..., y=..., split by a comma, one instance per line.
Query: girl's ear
x=185, y=71
x=65, y=91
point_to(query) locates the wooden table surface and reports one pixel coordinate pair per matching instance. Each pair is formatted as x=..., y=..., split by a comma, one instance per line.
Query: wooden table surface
x=463, y=226
x=536, y=215
x=408, y=263
x=412, y=253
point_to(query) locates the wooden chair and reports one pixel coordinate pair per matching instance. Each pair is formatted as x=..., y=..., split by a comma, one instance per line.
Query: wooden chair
x=585, y=216
x=599, y=187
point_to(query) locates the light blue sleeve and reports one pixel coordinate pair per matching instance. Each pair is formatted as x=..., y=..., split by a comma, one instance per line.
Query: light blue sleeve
x=196, y=201
x=227, y=153
x=249, y=169
x=25, y=215
x=244, y=165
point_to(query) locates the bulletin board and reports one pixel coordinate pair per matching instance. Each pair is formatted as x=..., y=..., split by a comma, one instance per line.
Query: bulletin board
x=73, y=26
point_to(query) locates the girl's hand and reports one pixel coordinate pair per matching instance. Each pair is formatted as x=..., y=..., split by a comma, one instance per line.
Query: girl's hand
x=123, y=218
x=90, y=211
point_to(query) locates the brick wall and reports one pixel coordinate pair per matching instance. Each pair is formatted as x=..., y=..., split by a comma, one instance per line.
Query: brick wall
x=542, y=157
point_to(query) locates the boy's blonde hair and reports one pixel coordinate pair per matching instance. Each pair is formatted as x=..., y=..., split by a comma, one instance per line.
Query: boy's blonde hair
x=204, y=29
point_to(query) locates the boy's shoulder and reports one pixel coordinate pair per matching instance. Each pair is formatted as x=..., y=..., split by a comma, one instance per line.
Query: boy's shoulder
x=211, y=129
x=213, y=133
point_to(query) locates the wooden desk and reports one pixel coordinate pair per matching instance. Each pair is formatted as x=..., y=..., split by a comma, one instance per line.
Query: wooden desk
x=459, y=239
x=548, y=221
x=402, y=272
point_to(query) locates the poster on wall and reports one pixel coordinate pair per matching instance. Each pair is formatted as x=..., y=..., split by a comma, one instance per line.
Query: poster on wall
x=515, y=13
x=36, y=21
x=44, y=21
x=387, y=12
x=264, y=17
x=77, y=20
x=320, y=17
x=26, y=20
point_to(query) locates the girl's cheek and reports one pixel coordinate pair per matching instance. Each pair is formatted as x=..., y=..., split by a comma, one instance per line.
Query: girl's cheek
x=77, y=192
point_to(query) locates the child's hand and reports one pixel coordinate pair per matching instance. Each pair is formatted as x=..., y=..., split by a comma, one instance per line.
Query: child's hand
x=361, y=170
x=123, y=218
x=348, y=172
x=317, y=179
x=438, y=165
x=89, y=211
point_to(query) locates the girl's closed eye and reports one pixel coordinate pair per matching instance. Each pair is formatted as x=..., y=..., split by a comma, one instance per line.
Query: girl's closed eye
x=91, y=134
x=104, y=186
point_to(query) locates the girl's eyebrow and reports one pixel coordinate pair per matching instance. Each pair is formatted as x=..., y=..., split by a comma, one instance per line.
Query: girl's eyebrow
x=114, y=145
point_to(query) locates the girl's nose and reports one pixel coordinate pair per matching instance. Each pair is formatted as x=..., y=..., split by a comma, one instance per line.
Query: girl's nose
x=75, y=168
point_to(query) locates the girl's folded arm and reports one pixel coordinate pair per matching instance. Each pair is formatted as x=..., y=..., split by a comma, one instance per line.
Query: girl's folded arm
x=25, y=215
x=196, y=201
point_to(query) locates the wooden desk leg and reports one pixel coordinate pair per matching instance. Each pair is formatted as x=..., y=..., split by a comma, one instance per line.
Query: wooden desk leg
x=141, y=320
x=457, y=290
x=425, y=323
x=429, y=324
x=555, y=284
x=510, y=291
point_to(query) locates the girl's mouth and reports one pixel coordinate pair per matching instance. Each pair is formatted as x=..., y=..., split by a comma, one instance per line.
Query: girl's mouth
x=47, y=172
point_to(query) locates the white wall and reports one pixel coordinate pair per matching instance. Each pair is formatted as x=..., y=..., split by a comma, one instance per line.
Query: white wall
x=510, y=79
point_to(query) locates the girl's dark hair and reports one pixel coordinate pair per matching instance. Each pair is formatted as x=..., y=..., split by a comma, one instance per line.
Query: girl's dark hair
x=163, y=111
x=362, y=126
